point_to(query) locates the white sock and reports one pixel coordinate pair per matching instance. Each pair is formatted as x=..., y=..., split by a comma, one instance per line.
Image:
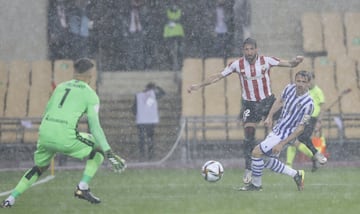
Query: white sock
x=289, y=171
x=83, y=186
x=11, y=199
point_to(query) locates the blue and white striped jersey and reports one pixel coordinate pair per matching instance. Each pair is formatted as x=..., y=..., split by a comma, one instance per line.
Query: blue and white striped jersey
x=296, y=110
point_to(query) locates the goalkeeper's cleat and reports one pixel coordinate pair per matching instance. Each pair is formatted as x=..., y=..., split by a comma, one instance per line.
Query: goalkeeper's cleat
x=6, y=204
x=299, y=179
x=86, y=195
x=247, y=176
x=250, y=187
x=320, y=158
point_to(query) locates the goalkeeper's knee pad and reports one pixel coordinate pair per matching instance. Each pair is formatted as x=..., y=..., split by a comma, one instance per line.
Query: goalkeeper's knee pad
x=37, y=170
x=94, y=152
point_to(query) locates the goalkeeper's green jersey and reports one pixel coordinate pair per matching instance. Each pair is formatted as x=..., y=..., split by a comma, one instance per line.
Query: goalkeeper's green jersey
x=68, y=103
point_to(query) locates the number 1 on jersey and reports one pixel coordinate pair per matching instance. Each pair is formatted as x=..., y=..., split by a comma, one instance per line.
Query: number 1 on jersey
x=67, y=90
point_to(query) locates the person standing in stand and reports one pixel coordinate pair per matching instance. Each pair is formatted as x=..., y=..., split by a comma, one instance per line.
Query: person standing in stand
x=145, y=109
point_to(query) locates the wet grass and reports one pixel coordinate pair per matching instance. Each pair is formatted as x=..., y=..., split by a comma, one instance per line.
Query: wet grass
x=330, y=190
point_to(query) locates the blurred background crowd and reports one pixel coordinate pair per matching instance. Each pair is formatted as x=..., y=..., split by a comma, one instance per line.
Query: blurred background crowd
x=146, y=34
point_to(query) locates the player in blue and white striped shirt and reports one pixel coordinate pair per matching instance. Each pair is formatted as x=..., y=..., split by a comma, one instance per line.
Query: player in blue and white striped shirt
x=297, y=106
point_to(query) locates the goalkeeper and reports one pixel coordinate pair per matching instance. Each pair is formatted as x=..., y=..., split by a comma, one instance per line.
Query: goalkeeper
x=58, y=134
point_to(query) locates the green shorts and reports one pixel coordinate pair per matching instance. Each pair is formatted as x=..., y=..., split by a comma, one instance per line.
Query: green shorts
x=78, y=147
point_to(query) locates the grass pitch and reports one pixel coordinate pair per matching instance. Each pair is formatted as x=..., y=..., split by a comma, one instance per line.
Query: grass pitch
x=183, y=191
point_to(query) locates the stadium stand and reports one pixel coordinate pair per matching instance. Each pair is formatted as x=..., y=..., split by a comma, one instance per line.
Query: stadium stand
x=3, y=85
x=350, y=102
x=233, y=100
x=333, y=34
x=192, y=72
x=351, y=21
x=325, y=79
x=307, y=65
x=214, y=98
x=40, y=90
x=192, y=104
x=313, y=42
x=16, y=100
x=94, y=77
x=63, y=71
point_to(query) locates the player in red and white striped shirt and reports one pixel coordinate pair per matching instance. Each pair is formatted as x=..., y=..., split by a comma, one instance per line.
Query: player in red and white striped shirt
x=257, y=97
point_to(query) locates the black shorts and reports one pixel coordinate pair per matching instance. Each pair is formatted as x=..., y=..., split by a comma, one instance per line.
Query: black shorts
x=255, y=111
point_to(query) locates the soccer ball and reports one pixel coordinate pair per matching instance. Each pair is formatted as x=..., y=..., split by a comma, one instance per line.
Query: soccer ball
x=212, y=171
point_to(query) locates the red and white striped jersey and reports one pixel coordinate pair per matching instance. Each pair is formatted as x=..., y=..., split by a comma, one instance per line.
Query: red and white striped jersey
x=254, y=78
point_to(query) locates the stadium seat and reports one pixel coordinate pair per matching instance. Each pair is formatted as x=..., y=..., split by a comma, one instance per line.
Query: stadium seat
x=351, y=21
x=17, y=98
x=63, y=71
x=214, y=98
x=233, y=100
x=307, y=65
x=94, y=77
x=192, y=104
x=40, y=90
x=3, y=85
x=325, y=79
x=280, y=77
x=333, y=35
x=192, y=73
x=312, y=33
x=346, y=77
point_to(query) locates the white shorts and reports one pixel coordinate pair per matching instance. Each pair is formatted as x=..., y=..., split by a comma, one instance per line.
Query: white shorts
x=268, y=143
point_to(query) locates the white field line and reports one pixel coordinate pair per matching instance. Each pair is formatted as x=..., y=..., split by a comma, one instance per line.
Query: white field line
x=48, y=178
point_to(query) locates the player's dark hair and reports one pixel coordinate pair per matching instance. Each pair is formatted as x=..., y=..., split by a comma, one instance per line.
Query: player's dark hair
x=304, y=73
x=250, y=41
x=150, y=85
x=82, y=65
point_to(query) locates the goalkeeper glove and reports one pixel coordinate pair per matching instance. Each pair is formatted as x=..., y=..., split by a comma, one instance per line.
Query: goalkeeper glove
x=118, y=164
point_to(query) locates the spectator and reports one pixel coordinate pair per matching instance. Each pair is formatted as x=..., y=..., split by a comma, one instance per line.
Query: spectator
x=153, y=33
x=222, y=22
x=79, y=28
x=174, y=34
x=242, y=23
x=145, y=108
x=58, y=30
x=135, y=34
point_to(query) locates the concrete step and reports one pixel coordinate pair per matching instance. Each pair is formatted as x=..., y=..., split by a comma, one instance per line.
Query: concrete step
x=129, y=83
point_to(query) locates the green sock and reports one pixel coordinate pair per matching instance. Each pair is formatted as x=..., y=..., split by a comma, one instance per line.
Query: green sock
x=304, y=149
x=92, y=165
x=290, y=155
x=25, y=183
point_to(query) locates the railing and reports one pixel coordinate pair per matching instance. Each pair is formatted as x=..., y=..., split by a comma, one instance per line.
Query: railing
x=13, y=130
x=225, y=132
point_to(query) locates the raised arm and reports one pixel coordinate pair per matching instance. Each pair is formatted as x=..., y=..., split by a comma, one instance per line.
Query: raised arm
x=291, y=63
x=210, y=80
